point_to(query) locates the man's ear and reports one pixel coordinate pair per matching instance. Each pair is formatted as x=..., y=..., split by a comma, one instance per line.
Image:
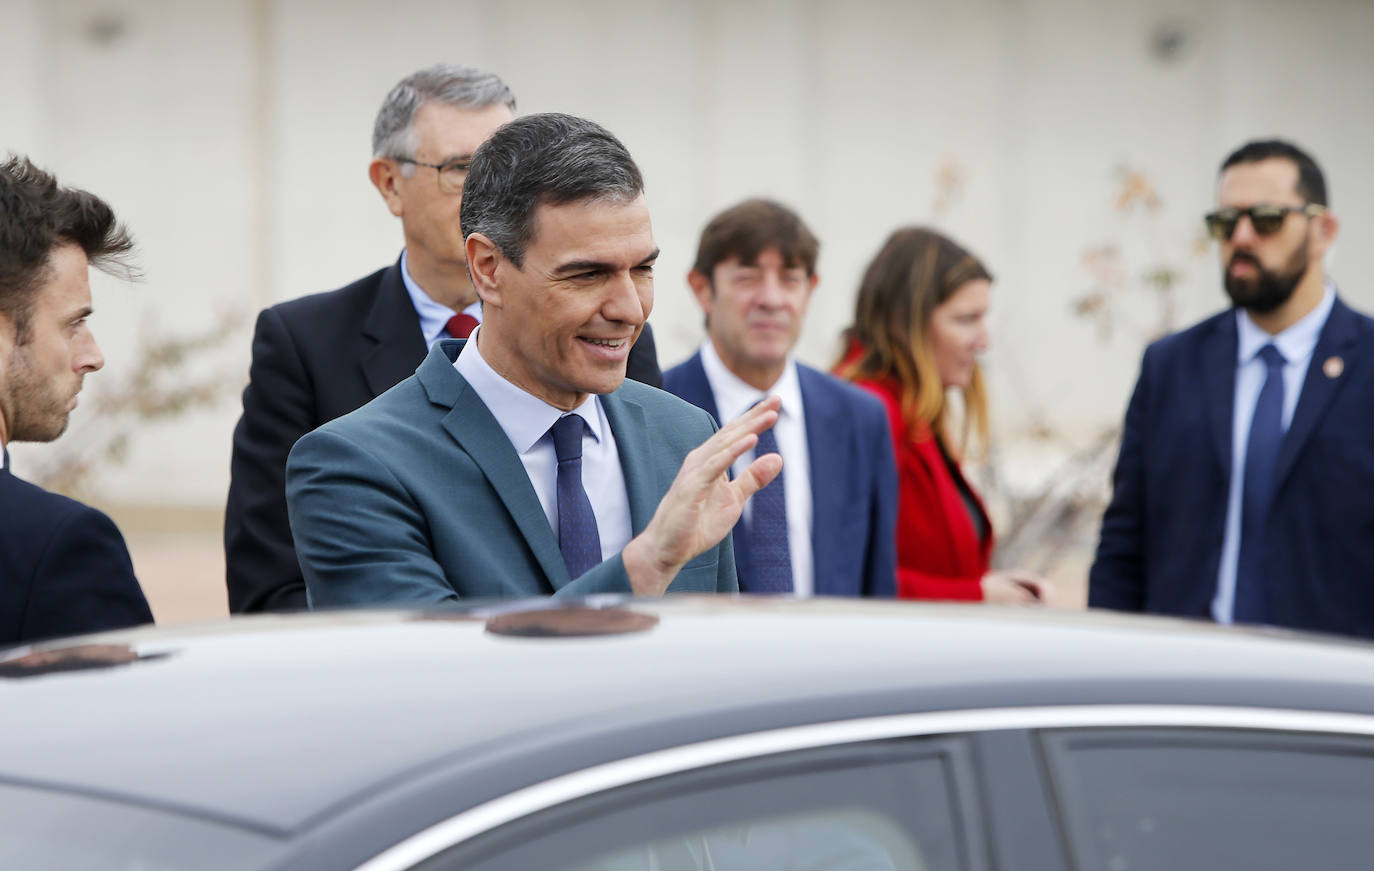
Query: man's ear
x=700, y=284
x=484, y=259
x=1328, y=228
x=385, y=175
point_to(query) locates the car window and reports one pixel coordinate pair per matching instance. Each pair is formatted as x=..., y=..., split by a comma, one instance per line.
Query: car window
x=887, y=808
x=1140, y=800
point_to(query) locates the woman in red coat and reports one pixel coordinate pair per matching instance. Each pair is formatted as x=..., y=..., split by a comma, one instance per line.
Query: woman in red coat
x=919, y=326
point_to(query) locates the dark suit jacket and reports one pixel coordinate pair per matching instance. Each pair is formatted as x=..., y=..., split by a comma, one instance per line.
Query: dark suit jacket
x=419, y=497
x=315, y=359
x=64, y=569
x=853, y=481
x=1161, y=535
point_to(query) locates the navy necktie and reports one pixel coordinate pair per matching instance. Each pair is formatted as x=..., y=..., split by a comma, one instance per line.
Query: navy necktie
x=1261, y=455
x=578, y=537
x=768, y=542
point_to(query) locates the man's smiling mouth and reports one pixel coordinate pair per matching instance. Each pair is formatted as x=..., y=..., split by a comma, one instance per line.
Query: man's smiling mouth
x=613, y=344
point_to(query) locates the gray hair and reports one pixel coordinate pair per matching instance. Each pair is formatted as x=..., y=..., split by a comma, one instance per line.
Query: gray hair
x=393, y=133
x=547, y=158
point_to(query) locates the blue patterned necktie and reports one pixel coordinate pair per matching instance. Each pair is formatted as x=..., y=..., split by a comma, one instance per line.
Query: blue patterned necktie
x=578, y=537
x=768, y=542
x=1261, y=455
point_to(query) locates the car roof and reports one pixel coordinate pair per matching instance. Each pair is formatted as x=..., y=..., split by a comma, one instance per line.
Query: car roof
x=278, y=722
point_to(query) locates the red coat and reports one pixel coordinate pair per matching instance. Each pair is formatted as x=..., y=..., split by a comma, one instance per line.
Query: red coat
x=938, y=552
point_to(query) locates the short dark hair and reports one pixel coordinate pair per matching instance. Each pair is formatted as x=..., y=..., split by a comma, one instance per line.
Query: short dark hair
x=1311, y=182
x=38, y=215
x=547, y=158
x=746, y=230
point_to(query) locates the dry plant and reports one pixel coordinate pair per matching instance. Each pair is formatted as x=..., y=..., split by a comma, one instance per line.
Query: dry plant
x=1058, y=518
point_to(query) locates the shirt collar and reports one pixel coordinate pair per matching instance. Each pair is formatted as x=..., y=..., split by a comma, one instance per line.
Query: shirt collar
x=734, y=397
x=1296, y=343
x=524, y=417
x=434, y=316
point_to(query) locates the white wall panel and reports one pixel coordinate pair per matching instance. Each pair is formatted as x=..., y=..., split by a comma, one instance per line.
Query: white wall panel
x=234, y=138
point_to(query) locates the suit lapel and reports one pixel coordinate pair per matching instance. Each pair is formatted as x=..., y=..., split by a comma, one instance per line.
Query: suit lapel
x=1338, y=338
x=696, y=389
x=626, y=419
x=393, y=329
x=1219, y=371
x=473, y=427
x=829, y=461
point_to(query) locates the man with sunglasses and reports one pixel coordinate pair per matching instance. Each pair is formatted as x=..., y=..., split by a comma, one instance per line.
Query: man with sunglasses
x=320, y=357
x=1244, y=491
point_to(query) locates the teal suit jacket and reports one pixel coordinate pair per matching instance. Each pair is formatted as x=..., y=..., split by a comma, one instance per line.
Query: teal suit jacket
x=419, y=497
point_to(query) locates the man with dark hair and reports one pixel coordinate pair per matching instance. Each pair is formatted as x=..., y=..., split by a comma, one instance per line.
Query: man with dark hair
x=521, y=462
x=827, y=524
x=322, y=356
x=64, y=568
x=1242, y=492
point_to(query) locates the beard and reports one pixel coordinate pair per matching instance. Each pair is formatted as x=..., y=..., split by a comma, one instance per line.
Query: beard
x=1267, y=290
x=38, y=406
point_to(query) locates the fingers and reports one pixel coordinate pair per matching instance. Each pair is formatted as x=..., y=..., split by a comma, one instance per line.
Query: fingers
x=757, y=419
x=752, y=422
x=760, y=474
x=718, y=453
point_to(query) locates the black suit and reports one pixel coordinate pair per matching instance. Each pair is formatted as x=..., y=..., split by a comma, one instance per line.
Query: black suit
x=64, y=569
x=315, y=359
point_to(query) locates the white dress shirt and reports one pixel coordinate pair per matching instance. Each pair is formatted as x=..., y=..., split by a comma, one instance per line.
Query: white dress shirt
x=434, y=316
x=733, y=398
x=1296, y=344
x=526, y=419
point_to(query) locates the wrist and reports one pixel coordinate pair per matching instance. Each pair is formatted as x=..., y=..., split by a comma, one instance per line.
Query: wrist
x=647, y=574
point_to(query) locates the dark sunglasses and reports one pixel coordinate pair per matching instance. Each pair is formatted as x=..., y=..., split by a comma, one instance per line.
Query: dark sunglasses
x=1265, y=219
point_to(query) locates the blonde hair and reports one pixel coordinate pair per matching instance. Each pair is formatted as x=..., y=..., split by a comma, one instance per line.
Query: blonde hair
x=916, y=271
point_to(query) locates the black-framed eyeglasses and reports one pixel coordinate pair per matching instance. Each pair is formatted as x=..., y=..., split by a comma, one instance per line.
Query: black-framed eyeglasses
x=1266, y=219
x=452, y=173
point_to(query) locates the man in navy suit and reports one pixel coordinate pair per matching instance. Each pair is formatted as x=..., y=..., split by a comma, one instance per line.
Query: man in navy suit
x=324, y=355
x=1244, y=491
x=64, y=568
x=827, y=525
x=520, y=462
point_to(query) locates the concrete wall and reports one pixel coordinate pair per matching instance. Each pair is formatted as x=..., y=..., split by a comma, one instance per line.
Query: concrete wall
x=233, y=137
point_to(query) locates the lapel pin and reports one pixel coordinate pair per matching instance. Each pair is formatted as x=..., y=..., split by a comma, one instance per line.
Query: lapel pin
x=1333, y=367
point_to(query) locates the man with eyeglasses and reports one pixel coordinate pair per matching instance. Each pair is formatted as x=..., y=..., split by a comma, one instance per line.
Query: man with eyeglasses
x=1244, y=491
x=322, y=356
x=827, y=525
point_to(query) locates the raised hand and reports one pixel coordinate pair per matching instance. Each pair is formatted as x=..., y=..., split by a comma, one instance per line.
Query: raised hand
x=703, y=504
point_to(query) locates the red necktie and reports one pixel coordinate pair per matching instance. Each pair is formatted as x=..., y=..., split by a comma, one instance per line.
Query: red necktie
x=460, y=326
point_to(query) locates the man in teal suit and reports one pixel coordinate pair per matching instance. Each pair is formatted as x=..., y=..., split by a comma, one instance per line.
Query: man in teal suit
x=521, y=462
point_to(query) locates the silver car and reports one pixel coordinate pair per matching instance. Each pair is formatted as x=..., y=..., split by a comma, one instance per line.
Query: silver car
x=688, y=734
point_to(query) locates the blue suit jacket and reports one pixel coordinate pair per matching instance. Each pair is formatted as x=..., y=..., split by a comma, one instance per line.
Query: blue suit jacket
x=1161, y=535
x=419, y=497
x=853, y=481
x=64, y=569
